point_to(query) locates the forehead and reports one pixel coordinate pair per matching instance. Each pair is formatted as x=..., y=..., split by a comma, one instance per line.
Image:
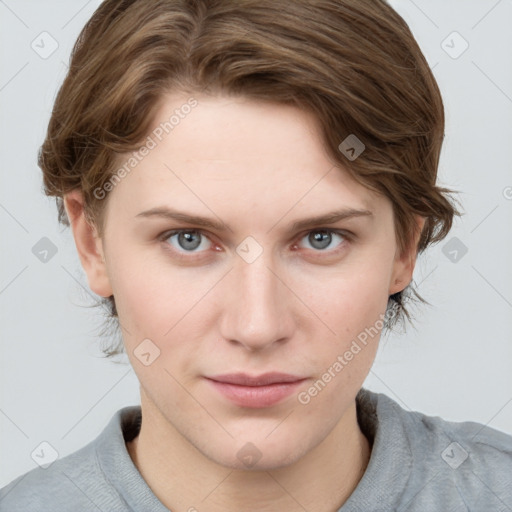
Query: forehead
x=240, y=152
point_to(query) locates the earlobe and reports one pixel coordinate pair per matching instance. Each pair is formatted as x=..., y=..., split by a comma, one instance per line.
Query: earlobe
x=89, y=245
x=404, y=264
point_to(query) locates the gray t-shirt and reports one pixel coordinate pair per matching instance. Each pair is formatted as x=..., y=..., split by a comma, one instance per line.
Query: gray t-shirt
x=418, y=463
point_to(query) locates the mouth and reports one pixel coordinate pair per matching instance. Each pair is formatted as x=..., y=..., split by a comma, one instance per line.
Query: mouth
x=256, y=391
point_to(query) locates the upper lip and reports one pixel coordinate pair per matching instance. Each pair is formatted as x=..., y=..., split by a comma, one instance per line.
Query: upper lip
x=244, y=379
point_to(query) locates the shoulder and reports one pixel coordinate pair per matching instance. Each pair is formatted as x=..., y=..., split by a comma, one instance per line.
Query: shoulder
x=481, y=442
x=457, y=444
x=77, y=481
x=469, y=460
x=461, y=462
x=59, y=486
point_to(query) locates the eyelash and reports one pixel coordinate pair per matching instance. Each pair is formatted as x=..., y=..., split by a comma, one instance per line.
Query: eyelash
x=347, y=238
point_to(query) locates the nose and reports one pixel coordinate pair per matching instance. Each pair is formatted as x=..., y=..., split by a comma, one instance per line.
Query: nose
x=256, y=305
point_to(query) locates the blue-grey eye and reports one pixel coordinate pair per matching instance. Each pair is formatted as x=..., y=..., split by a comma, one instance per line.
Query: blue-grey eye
x=188, y=241
x=321, y=239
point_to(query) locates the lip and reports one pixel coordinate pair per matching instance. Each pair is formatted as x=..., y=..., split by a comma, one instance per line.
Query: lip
x=256, y=391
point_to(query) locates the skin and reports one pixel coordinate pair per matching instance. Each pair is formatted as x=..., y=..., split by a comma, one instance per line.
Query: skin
x=257, y=167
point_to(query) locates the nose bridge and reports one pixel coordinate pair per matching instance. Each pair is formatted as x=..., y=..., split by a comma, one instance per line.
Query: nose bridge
x=257, y=280
x=256, y=314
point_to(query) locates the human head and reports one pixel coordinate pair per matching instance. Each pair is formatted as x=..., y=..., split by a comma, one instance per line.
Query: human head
x=353, y=64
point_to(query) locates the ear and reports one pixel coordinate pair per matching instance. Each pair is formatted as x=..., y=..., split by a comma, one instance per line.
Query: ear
x=404, y=264
x=88, y=244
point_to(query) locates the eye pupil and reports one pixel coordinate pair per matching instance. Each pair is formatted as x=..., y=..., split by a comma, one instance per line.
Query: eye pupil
x=186, y=240
x=322, y=238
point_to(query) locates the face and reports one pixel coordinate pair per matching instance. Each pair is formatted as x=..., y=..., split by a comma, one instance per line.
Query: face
x=257, y=286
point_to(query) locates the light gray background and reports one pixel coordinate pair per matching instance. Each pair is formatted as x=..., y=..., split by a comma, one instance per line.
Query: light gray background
x=55, y=386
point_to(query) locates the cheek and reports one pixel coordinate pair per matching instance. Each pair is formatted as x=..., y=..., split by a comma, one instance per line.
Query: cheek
x=151, y=293
x=352, y=304
x=156, y=302
x=168, y=305
x=354, y=309
x=353, y=298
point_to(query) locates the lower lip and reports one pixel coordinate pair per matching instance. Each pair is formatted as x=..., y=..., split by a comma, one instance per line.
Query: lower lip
x=256, y=396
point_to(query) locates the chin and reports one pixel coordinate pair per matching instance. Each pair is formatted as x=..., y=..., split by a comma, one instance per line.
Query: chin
x=252, y=457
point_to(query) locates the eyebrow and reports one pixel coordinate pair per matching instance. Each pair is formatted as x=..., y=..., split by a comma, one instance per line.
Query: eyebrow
x=311, y=222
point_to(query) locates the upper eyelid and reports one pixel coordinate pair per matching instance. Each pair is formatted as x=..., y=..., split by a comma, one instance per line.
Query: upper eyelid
x=171, y=232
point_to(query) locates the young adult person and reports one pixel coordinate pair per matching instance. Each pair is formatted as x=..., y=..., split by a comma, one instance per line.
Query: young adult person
x=249, y=184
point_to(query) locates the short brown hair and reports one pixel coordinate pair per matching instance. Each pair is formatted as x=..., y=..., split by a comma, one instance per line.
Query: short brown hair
x=353, y=63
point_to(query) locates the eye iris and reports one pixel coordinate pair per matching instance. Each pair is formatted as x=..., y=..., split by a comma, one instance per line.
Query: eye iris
x=186, y=240
x=321, y=237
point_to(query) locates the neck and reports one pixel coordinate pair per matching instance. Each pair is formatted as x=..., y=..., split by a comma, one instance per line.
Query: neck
x=182, y=478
